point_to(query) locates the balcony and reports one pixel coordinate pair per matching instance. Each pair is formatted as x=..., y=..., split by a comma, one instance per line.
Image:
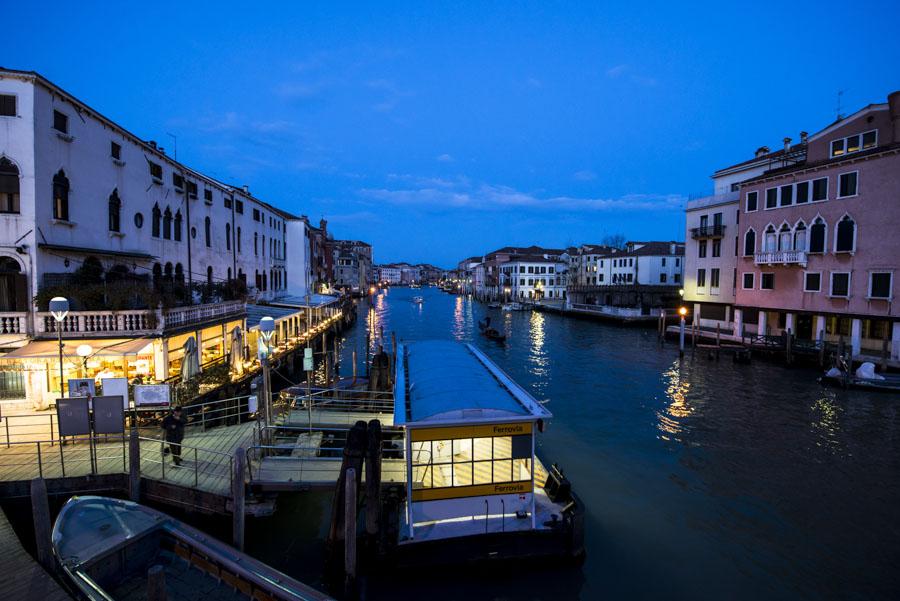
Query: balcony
x=781, y=257
x=137, y=323
x=13, y=323
x=707, y=231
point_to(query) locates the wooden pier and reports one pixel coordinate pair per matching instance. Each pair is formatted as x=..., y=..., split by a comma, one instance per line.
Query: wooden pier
x=21, y=577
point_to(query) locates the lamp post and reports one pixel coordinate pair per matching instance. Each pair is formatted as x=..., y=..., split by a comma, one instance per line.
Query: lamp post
x=59, y=308
x=266, y=329
x=682, y=311
x=84, y=351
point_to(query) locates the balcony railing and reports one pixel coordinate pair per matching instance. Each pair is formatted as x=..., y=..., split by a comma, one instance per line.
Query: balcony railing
x=144, y=322
x=707, y=231
x=13, y=323
x=781, y=257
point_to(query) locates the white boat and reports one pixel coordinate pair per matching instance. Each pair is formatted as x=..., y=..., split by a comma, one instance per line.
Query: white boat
x=513, y=307
x=418, y=300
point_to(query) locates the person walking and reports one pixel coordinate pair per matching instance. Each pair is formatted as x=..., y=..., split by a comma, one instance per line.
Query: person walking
x=173, y=431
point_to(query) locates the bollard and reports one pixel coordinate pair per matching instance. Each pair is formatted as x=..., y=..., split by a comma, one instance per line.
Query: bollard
x=237, y=498
x=40, y=509
x=134, y=466
x=156, y=583
x=350, y=532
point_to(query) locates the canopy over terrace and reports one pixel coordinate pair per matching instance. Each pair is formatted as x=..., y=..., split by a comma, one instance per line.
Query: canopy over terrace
x=469, y=436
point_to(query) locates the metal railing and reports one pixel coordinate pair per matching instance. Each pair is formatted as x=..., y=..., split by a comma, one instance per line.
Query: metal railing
x=196, y=462
x=708, y=231
x=78, y=456
x=37, y=427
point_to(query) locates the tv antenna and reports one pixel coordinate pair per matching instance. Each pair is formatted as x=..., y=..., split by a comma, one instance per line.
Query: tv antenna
x=839, y=108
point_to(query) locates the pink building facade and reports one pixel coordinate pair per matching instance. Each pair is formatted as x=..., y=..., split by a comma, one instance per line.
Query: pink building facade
x=819, y=241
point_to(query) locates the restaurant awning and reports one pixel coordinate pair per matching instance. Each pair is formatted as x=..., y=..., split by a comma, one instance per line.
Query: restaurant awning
x=104, y=347
x=315, y=301
x=131, y=254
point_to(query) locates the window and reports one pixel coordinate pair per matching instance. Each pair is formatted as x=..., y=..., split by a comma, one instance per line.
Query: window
x=177, y=181
x=662, y=278
x=138, y=220
x=227, y=200
x=714, y=278
x=7, y=105
x=9, y=186
x=192, y=189
x=771, y=198
x=752, y=201
x=238, y=239
x=767, y=281
x=115, y=151
x=845, y=239
x=787, y=195
x=800, y=236
x=61, y=196
x=812, y=281
x=177, y=226
x=663, y=261
x=840, y=284
x=167, y=224
x=255, y=214
x=227, y=236
x=701, y=247
x=115, y=211
x=817, y=236
x=701, y=278
x=157, y=219
x=155, y=172
x=239, y=206
x=880, y=285
x=770, y=239
x=206, y=231
x=677, y=278
x=677, y=261
x=785, y=238
x=748, y=281
x=207, y=195
x=716, y=249
x=749, y=243
x=854, y=143
x=802, y=193
x=847, y=183
x=60, y=122
x=820, y=189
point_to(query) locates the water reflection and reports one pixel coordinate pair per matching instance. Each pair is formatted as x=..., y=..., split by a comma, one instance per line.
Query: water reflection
x=677, y=408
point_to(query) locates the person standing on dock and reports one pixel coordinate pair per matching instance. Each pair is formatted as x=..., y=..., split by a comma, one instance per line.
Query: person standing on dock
x=173, y=430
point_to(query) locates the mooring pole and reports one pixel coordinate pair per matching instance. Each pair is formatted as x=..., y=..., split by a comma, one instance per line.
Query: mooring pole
x=373, y=478
x=349, y=532
x=718, y=342
x=681, y=338
x=237, y=498
x=156, y=583
x=134, y=466
x=354, y=368
x=40, y=510
x=787, y=346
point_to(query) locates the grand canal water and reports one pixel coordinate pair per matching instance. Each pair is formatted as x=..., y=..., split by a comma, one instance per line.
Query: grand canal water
x=702, y=479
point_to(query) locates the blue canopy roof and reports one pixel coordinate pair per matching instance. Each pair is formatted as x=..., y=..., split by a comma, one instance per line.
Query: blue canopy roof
x=443, y=381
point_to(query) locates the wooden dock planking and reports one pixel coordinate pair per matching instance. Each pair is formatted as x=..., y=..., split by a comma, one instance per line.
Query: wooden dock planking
x=21, y=577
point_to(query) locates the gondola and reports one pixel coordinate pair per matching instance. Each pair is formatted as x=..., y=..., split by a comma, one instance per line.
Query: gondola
x=108, y=547
x=488, y=332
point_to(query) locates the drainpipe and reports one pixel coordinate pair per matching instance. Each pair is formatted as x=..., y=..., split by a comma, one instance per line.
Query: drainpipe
x=187, y=211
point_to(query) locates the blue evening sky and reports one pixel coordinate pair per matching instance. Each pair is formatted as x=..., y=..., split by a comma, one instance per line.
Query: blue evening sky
x=439, y=131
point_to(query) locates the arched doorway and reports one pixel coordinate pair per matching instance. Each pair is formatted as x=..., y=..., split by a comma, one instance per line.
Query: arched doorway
x=13, y=286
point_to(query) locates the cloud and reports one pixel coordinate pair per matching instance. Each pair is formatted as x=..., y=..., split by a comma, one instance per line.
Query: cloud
x=440, y=194
x=444, y=158
x=585, y=175
x=625, y=71
x=616, y=71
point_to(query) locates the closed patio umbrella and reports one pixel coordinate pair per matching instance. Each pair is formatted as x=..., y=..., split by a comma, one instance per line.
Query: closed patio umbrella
x=237, y=351
x=190, y=363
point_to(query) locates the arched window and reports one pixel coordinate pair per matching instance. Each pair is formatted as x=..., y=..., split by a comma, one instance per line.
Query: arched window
x=265, y=282
x=845, y=237
x=258, y=280
x=167, y=224
x=242, y=276
x=770, y=239
x=255, y=243
x=785, y=238
x=115, y=211
x=13, y=286
x=157, y=218
x=61, y=196
x=229, y=274
x=800, y=236
x=817, y=234
x=9, y=186
x=179, y=273
x=209, y=275
x=167, y=272
x=206, y=230
x=227, y=236
x=239, y=239
x=178, y=226
x=749, y=243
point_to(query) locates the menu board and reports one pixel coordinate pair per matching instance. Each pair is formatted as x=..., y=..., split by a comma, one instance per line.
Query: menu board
x=152, y=395
x=116, y=387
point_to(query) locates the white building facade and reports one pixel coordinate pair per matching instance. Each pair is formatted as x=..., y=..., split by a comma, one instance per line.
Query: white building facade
x=534, y=278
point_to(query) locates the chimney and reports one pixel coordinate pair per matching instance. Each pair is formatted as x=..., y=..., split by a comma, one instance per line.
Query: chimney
x=672, y=248
x=803, y=136
x=246, y=189
x=894, y=109
x=787, y=144
x=152, y=144
x=161, y=150
x=761, y=151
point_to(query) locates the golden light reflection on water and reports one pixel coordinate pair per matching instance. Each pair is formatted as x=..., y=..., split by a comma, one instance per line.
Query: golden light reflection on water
x=677, y=407
x=459, y=319
x=828, y=423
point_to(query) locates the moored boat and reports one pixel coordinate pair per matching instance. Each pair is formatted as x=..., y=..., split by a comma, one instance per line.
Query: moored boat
x=418, y=300
x=106, y=548
x=864, y=378
x=513, y=306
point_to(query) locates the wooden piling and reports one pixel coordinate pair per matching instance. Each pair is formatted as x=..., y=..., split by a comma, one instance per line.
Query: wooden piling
x=237, y=498
x=327, y=361
x=373, y=477
x=134, y=466
x=40, y=511
x=337, y=359
x=156, y=584
x=354, y=367
x=349, y=532
x=821, y=342
x=884, y=353
x=718, y=341
x=787, y=346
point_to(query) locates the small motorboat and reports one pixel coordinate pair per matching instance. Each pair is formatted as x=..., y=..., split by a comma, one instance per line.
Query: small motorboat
x=418, y=300
x=513, y=307
x=493, y=305
x=106, y=548
x=864, y=378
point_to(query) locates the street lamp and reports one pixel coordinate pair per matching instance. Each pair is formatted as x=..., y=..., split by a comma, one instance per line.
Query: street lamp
x=59, y=308
x=84, y=351
x=266, y=329
x=682, y=311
